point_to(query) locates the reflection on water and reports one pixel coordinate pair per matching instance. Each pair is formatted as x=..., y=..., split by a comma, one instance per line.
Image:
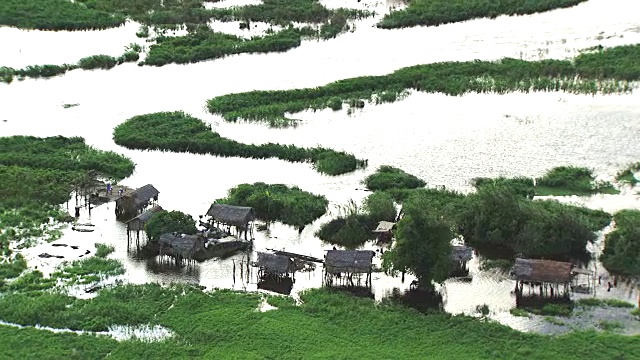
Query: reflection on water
x=419, y=299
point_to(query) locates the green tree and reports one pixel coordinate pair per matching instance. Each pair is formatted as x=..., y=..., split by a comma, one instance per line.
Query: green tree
x=379, y=206
x=423, y=244
x=168, y=222
x=621, y=253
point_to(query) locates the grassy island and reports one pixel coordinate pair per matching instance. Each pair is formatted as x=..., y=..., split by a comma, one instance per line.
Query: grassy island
x=278, y=202
x=607, y=71
x=438, y=12
x=180, y=132
x=559, y=181
x=105, y=62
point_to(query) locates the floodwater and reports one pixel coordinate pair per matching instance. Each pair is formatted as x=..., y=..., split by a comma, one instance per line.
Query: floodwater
x=444, y=140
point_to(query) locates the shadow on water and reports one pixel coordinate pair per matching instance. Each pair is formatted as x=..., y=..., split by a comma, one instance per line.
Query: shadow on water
x=422, y=300
x=539, y=302
x=358, y=291
x=162, y=265
x=279, y=284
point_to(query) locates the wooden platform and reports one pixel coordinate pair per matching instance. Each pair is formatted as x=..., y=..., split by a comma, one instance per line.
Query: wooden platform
x=297, y=256
x=104, y=197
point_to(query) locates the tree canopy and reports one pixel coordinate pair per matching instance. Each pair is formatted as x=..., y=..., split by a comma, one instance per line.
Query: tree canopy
x=168, y=222
x=423, y=244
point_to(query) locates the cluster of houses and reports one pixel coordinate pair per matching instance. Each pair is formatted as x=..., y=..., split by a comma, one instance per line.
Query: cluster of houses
x=226, y=226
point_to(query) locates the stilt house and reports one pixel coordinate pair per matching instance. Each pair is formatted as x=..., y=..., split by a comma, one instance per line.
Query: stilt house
x=134, y=203
x=547, y=274
x=240, y=217
x=344, y=264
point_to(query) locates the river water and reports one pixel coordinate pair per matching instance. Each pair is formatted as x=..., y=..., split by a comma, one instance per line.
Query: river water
x=444, y=140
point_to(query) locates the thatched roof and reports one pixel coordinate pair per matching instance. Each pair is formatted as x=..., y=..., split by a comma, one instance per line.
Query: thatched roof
x=137, y=223
x=274, y=264
x=148, y=214
x=461, y=253
x=142, y=195
x=384, y=226
x=185, y=245
x=231, y=214
x=542, y=271
x=354, y=261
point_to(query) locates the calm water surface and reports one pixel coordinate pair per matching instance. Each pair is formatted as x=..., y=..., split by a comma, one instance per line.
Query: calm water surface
x=444, y=140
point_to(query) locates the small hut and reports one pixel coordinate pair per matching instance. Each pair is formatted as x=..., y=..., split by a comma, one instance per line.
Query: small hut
x=583, y=281
x=134, y=203
x=137, y=223
x=180, y=246
x=274, y=265
x=384, y=231
x=344, y=264
x=460, y=256
x=547, y=274
x=241, y=217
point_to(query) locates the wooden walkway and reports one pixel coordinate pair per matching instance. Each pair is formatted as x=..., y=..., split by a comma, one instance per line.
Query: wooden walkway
x=297, y=256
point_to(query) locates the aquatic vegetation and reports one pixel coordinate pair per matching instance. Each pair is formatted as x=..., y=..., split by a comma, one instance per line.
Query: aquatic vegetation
x=62, y=153
x=382, y=330
x=498, y=217
x=389, y=177
x=204, y=44
x=519, y=312
x=131, y=54
x=97, y=62
x=636, y=312
x=501, y=264
x=278, y=202
x=552, y=309
x=56, y=15
x=180, y=132
x=169, y=222
x=571, y=180
x=554, y=321
x=11, y=266
x=604, y=302
x=438, y=12
x=380, y=206
x=522, y=185
x=103, y=250
x=627, y=175
x=621, y=254
x=89, y=270
x=423, y=244
x=607, y=325
x=38, y=174
x=282, y=12
x=607, y=71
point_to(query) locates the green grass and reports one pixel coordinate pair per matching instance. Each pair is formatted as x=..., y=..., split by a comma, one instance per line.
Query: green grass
x=438, y=12
x=90, y=270
x=627, y=175
x=278, y=202
x=131, y=54
x=205, y=44
x=554, y=321
x=388, y=177
x=606, y=71
x=55, y=15
x=635, y=312
x=552, y=310
x=610, y=325
x=180, y=132
x=225, y=324
x=500, y=264
x=604, y=302
x=571, y=180
x=519, y=312
x=103, y=250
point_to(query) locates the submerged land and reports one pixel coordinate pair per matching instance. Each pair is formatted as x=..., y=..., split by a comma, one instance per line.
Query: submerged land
x=502, y=218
